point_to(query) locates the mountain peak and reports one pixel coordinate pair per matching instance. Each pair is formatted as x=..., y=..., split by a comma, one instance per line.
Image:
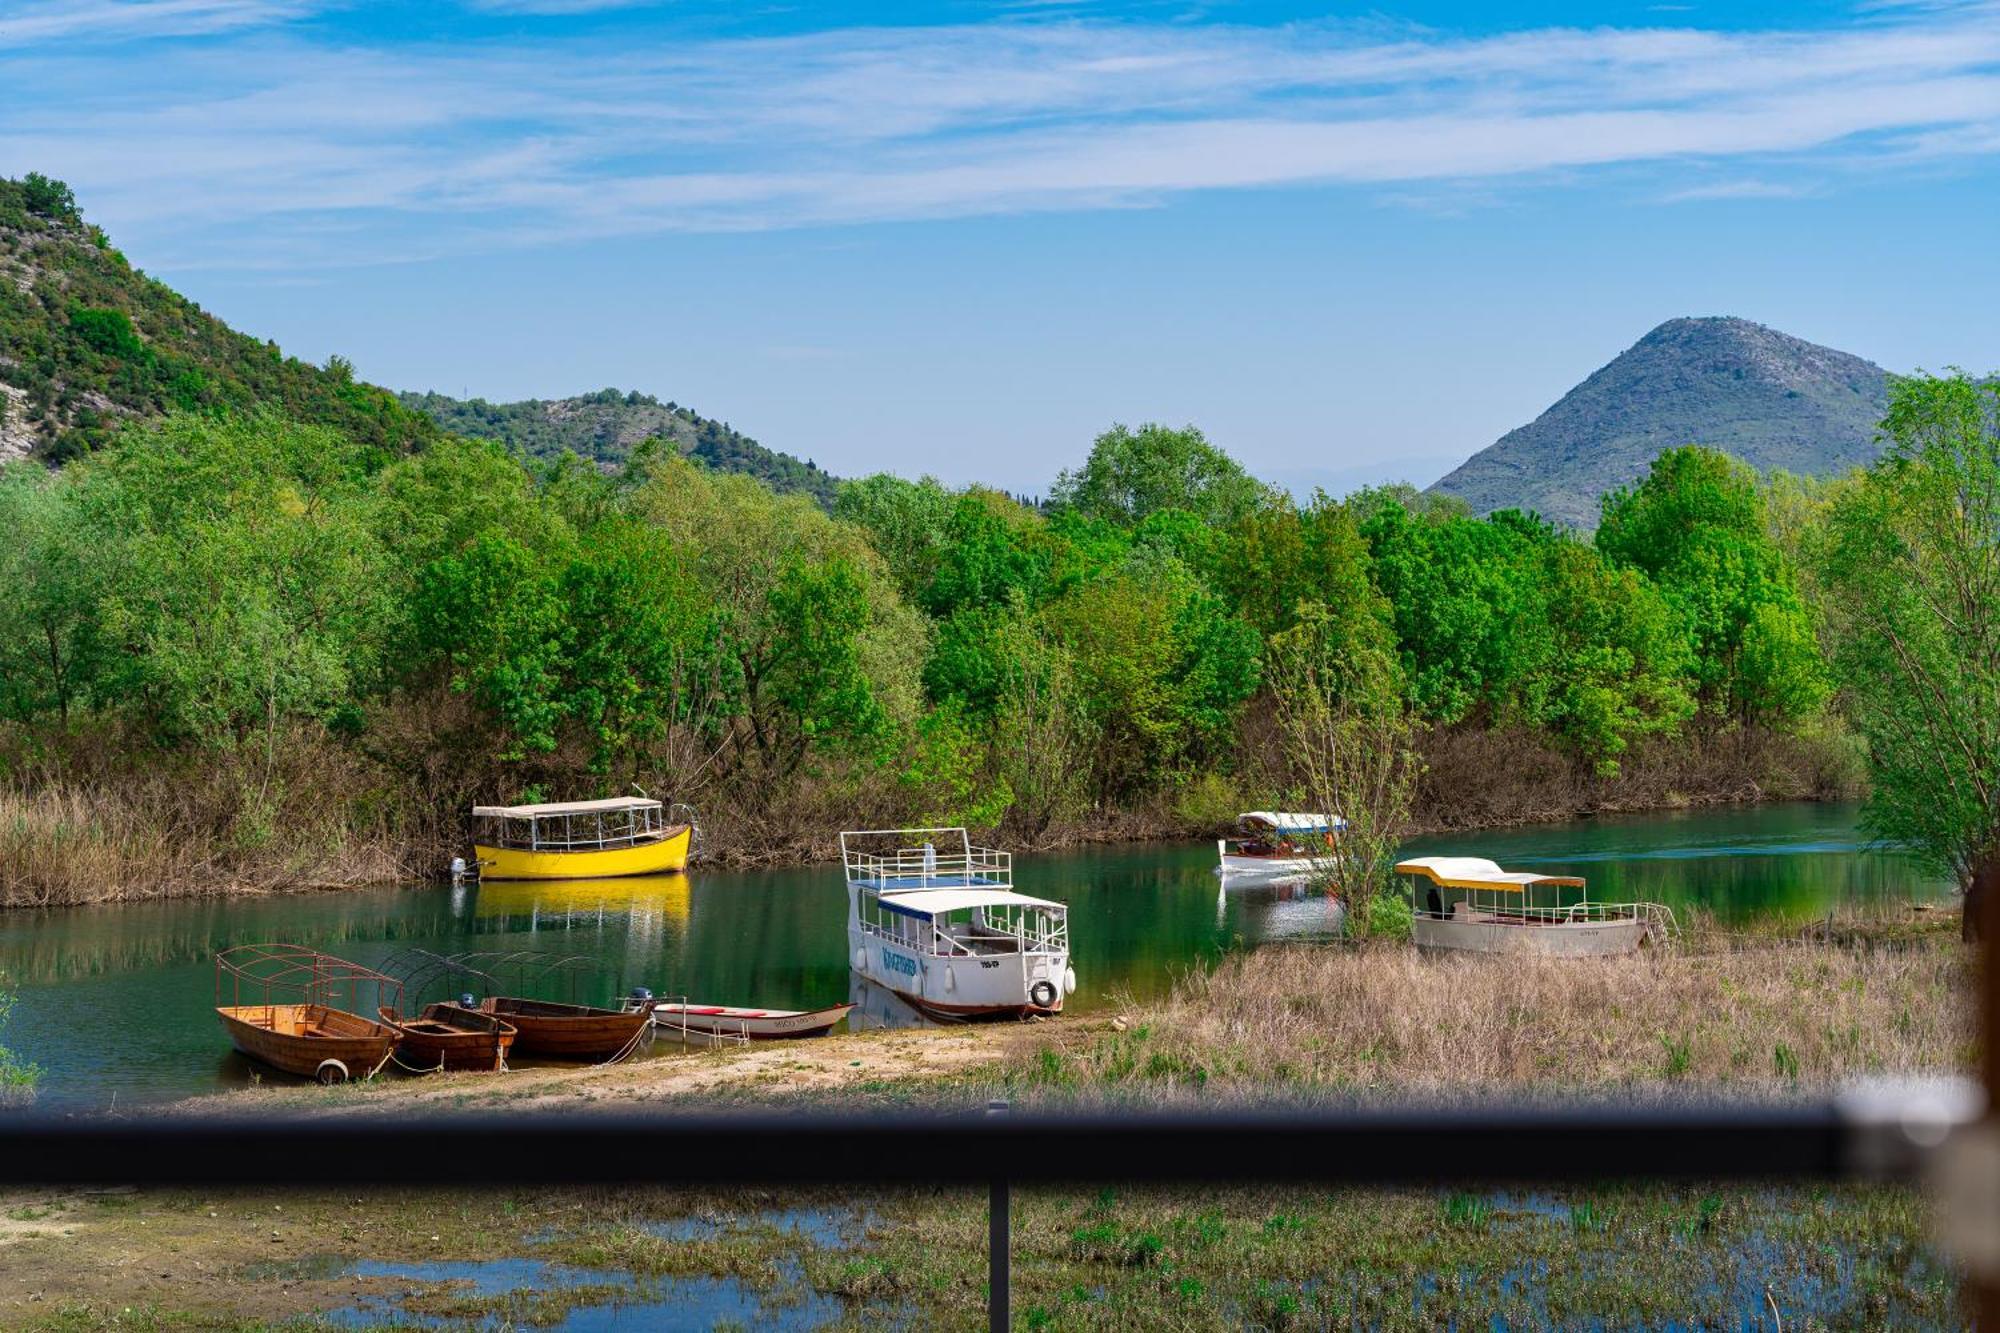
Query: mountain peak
x=1771, y=399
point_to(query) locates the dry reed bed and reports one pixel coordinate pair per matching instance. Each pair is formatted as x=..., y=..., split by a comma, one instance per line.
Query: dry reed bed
x=1389, y=1019
x=67, y=845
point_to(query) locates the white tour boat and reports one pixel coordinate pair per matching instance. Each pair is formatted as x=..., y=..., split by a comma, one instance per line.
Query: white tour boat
x=1469, y=903
x=1274, y=846
x=936, y=920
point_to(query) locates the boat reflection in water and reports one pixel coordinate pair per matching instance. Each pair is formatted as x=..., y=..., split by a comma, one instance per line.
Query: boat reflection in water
x=876, y=1006
x=569, y=904
x=1278, y=911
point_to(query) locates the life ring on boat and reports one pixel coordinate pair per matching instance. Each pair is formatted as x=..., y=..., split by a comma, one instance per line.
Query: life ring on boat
x=1043, y=993
x=331, y=1072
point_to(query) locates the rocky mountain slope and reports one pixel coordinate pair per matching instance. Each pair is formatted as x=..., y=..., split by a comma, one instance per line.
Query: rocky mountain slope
x=1772, y=400
x=88, y=342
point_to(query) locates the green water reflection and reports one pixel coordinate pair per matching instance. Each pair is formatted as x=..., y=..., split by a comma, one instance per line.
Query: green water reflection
x=115, y=1000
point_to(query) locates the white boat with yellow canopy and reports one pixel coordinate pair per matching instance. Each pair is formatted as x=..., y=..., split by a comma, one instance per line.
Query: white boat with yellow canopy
x=1471, y=904
x=623, y=835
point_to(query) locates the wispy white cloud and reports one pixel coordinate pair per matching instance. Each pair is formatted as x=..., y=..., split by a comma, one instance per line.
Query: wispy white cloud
x=1738, y=189
x=556, y=7
x=586, y=135
x=70, y=20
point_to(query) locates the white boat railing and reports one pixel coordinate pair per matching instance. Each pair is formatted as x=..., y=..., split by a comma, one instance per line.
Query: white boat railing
x=919, y=862
x=1661, y=924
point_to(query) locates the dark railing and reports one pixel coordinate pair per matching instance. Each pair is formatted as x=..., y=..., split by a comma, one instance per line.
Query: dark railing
x=1881, y=1134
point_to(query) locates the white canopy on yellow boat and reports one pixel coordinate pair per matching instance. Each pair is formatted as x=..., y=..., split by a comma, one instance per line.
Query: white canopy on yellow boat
x=564, y=808
x=936, y=902
x=1474, y=872
x=1285, y=822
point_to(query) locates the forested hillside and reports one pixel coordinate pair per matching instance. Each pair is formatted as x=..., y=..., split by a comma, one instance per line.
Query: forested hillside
x=89, y=343
x=605, y=427
x=1777, y=402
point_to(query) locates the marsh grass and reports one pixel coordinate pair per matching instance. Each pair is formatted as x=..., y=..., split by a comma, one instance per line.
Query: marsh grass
x=1775, y=1013
x=1084, y=1256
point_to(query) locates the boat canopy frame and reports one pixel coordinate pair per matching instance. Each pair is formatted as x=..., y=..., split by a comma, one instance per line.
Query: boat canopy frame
x=532, y=974
x=568, y=826
x=423, y=972
x=899, y=860
x=1269, y=821
x=301, y=976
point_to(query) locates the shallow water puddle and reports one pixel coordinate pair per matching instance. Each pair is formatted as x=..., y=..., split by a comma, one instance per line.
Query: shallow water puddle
x=513, y=1292
x=506, y=1293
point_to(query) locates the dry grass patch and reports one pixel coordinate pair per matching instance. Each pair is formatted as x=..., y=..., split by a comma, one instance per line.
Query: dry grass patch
x=1779, y=1015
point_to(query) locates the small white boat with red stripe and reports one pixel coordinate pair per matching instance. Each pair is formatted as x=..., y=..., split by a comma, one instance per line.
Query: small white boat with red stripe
x=727, y=1022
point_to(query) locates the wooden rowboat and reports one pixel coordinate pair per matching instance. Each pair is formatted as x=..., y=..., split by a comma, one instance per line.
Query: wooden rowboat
x=298, y=1020
x=564, y=1031
x=728, y=1021
x=449, y=1037
x=309, y=1040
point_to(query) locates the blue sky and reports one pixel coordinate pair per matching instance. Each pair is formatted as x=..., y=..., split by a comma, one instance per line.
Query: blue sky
x=963, y=238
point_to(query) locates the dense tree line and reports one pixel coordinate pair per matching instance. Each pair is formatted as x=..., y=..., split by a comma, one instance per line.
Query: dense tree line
x=476, y=628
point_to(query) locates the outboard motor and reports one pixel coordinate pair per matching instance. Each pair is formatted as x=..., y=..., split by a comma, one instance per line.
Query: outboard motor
x=467, y=1000
x=641, y=993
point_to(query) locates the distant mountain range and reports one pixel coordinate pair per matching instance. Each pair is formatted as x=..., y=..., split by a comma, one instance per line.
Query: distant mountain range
x=604, y=426
x=1772, y=400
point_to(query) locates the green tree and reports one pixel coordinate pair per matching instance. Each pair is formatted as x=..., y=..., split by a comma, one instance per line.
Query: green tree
x=1913, y=565
x=1463, y=599
x=493, y=616
x=1133, y=474
x=1162, y=667
x=634, y=640
x=49, y=198
x=992, y=553
x=906, y=521
x=48, y=601
x=1697, y=526
x=1349, y=747
x=237, y=579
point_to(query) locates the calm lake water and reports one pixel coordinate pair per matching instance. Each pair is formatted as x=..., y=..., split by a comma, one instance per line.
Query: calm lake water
x=115, y=1002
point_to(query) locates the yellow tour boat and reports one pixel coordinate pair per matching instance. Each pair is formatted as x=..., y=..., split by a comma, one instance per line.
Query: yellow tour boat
x=607, y=839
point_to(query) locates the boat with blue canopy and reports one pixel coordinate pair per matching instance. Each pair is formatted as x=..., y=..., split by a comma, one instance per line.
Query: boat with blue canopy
x=937, y=921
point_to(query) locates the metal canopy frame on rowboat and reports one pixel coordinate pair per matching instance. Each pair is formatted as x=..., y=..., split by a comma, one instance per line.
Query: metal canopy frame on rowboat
x=420, y=970
x=302, y=976
x=531, y=974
